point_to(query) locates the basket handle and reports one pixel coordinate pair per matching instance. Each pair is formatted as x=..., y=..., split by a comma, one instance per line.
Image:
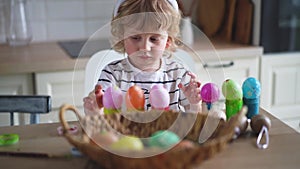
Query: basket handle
x=66, y=127
x=62, y=111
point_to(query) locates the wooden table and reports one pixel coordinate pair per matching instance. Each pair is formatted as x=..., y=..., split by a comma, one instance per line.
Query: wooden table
x=283, y=151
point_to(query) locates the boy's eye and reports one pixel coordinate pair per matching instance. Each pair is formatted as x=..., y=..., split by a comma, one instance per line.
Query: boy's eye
x=135, y=37
x=154, y=39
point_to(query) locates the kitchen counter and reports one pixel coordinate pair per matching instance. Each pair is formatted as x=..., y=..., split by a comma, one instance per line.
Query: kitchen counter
x=50, y=57
x=40, y=57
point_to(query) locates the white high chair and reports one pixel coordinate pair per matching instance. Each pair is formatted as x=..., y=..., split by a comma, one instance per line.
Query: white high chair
x=103, y=57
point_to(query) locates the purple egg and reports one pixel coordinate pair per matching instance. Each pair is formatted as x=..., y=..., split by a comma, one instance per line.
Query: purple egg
x=210, y=93
x=159, y=97
x=113, y=98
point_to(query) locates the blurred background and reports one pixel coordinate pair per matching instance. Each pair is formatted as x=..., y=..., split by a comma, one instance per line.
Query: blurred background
x=273, y=24
x=258, y=38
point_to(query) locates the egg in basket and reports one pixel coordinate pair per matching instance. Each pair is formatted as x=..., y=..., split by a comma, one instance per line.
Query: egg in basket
x=150, y=139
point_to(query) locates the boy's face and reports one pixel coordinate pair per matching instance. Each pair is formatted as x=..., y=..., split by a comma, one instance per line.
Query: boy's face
x=146, y=49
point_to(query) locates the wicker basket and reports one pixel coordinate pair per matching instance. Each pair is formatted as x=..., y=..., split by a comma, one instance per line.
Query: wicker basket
x=174, y=158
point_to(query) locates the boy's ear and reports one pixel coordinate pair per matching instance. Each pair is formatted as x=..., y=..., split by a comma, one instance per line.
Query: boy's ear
x=168, y=43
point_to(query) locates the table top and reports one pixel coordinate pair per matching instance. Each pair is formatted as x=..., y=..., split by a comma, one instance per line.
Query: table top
x=42, y=139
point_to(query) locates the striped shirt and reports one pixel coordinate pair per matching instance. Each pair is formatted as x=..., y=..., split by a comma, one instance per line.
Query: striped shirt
x=124, y=75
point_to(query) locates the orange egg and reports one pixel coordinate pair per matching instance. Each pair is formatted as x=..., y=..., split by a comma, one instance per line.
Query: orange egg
x=135, y=98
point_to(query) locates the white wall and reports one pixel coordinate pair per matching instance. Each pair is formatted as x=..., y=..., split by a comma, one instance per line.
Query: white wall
x=53, y=20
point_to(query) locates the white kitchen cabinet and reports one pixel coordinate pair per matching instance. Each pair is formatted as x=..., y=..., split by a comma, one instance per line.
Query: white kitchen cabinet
x=16, y=84
x=280, y=78
x=65, y=87
x=237, y=69
x=231, y=64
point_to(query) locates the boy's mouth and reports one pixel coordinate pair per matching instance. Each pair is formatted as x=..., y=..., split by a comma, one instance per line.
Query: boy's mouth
x=145, y=56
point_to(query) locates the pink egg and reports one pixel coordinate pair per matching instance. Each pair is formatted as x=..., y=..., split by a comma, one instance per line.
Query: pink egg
x=104, y=139
x=113, y=98
x=159, y=97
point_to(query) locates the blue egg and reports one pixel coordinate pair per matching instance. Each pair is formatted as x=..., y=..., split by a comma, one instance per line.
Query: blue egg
x=251, y=88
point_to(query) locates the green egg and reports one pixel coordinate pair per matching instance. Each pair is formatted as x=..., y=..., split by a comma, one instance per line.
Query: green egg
x=163, y=139
x=231, y=90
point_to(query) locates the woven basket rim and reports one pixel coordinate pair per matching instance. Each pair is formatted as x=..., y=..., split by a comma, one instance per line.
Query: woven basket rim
x=187, y=157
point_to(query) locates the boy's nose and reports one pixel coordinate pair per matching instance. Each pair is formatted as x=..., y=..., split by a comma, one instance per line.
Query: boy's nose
x=145, y=45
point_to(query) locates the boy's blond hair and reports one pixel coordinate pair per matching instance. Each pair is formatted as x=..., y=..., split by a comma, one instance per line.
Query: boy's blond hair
x=145, y=16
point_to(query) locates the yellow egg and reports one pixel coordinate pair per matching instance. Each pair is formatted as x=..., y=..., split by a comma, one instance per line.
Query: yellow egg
x=128, y=143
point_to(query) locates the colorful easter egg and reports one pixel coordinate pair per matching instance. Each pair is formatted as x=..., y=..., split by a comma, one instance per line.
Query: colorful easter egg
x=210, y=93
x=231, y=90
x=159, y=97
x=99, y=95
x=128, y=143
x=112, y=99
x=251, y=92
x=104, y=139
x=135, y=99
x=234, y=97
x=251, y=88
x=163, y=139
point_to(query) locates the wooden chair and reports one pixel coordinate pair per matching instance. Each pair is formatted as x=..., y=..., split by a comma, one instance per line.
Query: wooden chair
x=32, y=104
